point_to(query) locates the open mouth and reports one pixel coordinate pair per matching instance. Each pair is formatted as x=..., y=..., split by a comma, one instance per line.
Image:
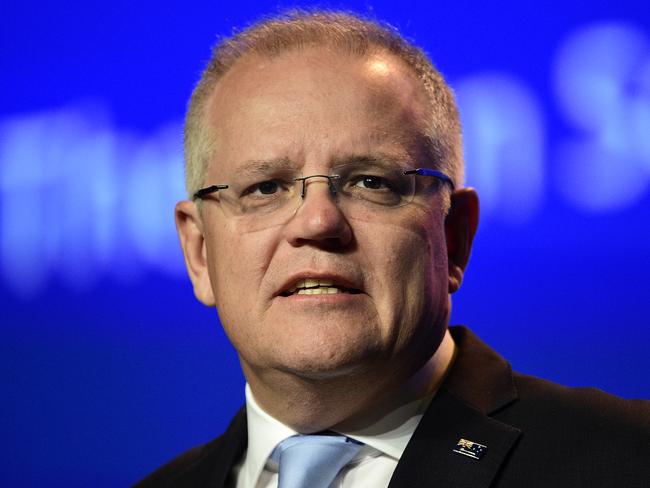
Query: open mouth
x=311, y=286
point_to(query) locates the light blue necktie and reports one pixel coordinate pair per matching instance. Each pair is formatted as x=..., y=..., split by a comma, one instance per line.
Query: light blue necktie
x=313, y=461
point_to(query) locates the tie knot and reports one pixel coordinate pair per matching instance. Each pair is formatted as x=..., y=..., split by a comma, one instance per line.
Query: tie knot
x=313, y=461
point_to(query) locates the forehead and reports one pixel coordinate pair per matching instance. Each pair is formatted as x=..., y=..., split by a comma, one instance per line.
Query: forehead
x=315, y=104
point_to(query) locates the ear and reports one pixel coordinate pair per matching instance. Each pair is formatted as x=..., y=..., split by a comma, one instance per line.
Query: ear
x=460, y=227
x=190, y=231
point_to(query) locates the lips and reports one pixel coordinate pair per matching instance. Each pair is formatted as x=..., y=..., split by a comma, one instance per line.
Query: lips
x=318, y=286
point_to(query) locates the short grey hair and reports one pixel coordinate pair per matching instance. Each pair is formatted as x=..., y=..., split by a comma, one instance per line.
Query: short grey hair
x=342, y=31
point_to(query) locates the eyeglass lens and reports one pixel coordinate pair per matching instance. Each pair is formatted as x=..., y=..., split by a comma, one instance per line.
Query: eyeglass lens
x=262, y=199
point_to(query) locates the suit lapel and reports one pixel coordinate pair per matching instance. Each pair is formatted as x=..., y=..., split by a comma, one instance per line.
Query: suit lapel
x=429, y=459
x=479, y=383
x=231, y=450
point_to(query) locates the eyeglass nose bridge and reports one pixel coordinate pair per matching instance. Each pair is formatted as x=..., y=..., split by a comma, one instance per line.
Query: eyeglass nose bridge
x=303, y=180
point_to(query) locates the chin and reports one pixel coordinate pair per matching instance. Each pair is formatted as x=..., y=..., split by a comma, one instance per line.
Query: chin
x=331, y=360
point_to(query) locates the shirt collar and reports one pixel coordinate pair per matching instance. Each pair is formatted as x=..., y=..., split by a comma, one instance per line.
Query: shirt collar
x=264, y=433
x=394, y=421
x=389, y=433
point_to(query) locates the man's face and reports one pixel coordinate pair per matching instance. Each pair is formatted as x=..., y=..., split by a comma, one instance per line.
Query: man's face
x=313, y=108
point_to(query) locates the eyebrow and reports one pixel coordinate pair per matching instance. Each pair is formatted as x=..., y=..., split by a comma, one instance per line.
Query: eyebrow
x=374, y=159
x=266, y=165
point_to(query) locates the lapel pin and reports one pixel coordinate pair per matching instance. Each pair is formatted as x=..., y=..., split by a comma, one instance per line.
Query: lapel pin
x=470, y=449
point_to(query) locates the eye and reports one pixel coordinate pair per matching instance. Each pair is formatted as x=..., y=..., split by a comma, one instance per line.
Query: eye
x=381, y=187
x=267, y=187
x=371, y=182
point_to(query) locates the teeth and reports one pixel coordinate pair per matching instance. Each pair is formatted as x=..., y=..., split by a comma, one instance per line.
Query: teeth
x=319, y=291
x=311, y=283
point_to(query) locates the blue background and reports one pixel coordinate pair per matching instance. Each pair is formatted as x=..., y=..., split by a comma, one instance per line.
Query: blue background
x=110, y=367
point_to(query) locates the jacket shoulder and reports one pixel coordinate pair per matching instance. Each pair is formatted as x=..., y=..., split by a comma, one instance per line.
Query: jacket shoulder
x=579, y=436
x=567, y=436
x=581, y=405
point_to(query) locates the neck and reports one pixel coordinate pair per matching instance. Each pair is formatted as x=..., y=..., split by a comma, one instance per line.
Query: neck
x=350, y=403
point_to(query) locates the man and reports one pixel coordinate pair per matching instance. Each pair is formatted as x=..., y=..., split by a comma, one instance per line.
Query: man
x=329, y=226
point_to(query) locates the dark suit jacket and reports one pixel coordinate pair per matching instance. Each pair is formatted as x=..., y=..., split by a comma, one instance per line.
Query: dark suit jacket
x=538, y=434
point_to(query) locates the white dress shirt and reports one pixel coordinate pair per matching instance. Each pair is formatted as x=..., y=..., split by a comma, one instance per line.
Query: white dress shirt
x=385, y=439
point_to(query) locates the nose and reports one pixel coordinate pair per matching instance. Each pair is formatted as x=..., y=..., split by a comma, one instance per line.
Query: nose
x=318, y=220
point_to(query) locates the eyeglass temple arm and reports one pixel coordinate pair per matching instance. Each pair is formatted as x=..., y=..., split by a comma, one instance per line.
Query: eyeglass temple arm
x=432, y=172
x=203, y=192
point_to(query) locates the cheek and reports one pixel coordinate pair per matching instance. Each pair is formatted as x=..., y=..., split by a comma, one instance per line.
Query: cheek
x=237, y=267
x=434, y=253
x=398, y=262
x=416, y=253
x=410, y=274
x=236, y=273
